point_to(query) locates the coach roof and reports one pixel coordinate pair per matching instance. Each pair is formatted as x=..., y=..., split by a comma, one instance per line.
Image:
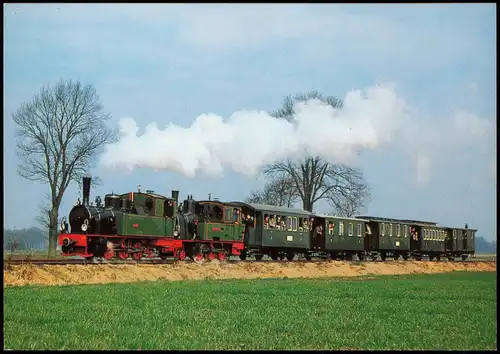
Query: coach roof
x=403, y=221
x=273, y=208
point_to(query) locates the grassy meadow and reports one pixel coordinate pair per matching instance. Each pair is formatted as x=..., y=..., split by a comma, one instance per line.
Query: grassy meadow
x=445, y=311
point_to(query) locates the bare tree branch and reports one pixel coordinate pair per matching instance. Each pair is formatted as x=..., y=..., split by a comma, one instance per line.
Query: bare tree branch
x=60, y=131
x=314, y=179
x=279, y=191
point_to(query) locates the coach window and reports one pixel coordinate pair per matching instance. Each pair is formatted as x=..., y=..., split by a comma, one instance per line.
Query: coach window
x=284, y=220
x=266, y=221
x=283, y=223
x=398, y=230
x=272, y=221
x=301, y=224
x=405, y=231
x=390, y=230
x=351, y=229
x=277, y=225
x=360, y=227
x=289, y=224
x=294, y=223
x=382, y=229
x=341, y=228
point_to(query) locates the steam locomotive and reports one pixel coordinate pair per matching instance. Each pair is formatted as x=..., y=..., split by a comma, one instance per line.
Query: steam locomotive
x=146, y=224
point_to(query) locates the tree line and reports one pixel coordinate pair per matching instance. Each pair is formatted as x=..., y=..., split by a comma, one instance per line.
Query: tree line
x=24, y=239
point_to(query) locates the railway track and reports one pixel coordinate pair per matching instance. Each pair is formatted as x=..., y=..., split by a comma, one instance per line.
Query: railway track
x=10, y=262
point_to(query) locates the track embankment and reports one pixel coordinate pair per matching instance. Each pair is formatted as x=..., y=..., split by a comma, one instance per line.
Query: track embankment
x=28, y=274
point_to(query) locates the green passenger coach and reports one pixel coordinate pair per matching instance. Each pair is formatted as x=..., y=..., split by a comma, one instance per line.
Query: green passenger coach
x=387, y=238
x=276, y=231
x=340, y=237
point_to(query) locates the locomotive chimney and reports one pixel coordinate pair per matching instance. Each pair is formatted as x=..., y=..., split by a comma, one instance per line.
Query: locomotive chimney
x=86, y=190
x=175, y=196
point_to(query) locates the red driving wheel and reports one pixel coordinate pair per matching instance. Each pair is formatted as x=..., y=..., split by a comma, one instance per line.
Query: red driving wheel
x=123, y=255
x=182, y=255
x=211, y=256
x=137, y=255
x=198, y=257
x=221, y=256
x=109, y=254
x=148, y=253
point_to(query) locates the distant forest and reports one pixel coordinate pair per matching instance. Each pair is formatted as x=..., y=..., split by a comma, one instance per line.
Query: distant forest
x=36, y=239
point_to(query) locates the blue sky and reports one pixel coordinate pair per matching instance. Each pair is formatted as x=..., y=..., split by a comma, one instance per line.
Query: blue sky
x=171, y=63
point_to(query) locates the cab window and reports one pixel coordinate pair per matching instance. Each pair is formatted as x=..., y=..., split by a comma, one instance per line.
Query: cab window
x=229, y=214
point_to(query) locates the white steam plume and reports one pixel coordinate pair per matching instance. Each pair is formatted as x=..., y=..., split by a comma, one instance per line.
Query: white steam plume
x=248, y=140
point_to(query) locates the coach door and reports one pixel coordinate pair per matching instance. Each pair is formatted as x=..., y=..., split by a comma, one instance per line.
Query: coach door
x=259, y=226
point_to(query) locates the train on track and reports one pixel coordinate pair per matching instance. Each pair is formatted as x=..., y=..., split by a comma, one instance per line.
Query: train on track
x=141, y=225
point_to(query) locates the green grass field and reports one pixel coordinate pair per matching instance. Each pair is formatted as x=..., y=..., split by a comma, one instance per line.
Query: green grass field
x=445, y=311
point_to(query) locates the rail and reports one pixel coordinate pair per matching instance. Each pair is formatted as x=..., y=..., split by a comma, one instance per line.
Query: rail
x=59, y=261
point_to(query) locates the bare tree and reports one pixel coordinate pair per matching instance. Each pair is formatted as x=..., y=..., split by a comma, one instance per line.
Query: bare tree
x=315, y=179
x=350, y=193
x=60, y=132
x=279, y=191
